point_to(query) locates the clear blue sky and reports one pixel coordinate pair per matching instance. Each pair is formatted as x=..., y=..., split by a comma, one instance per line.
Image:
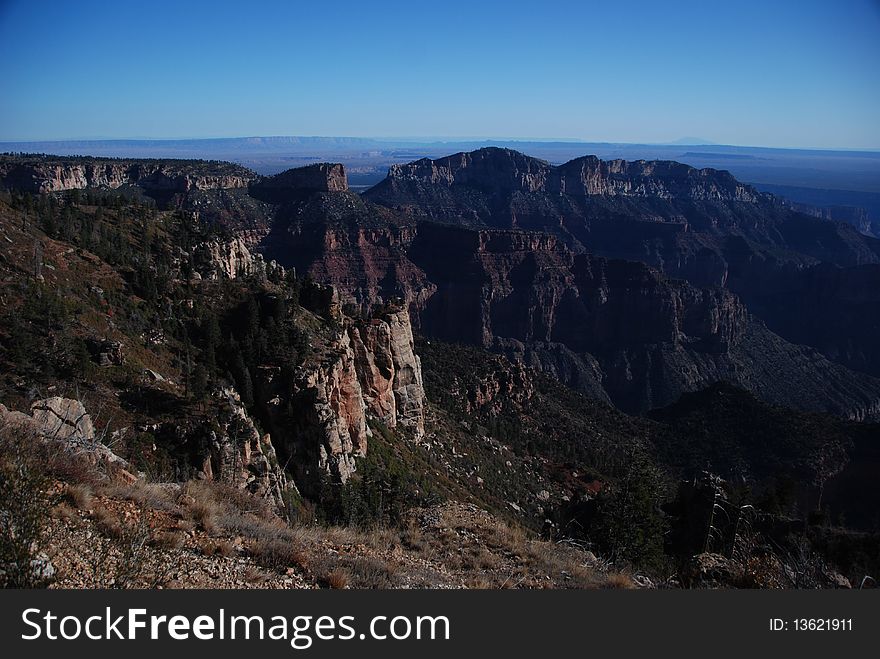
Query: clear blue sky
x=753, y=72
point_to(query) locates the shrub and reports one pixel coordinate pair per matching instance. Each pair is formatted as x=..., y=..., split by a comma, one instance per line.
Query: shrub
x=23, y=512
x=80, y=495
x=628, y=525
x=278, y=553
x=337, y=579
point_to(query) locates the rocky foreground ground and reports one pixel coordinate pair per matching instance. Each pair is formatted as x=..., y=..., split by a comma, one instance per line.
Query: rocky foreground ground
x=185, y=537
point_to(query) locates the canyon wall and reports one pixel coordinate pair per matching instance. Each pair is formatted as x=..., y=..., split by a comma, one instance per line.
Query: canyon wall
x=367, y=368
x=504, y=170
x=42, y=175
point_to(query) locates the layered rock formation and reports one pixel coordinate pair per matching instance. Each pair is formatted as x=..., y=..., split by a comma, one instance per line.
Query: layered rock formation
x=614, y=328
x=698, y=225
x=389, y=370
x=503, y=170
x=54, y=174
x=365, y=368
x=239, y=455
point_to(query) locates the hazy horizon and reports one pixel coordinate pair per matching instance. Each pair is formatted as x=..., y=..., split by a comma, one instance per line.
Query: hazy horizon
x=430, y=139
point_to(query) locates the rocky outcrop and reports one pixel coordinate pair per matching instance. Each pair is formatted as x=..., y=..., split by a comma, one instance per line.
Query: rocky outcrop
x=66, y=421
x=240, y=455
x=297, y=183
x=63, y=418
x=325, y=418
x=227, y=260
x=389, y=371
x=318, y=415
x=55, y=174
x=340, y=411
x=503, y=170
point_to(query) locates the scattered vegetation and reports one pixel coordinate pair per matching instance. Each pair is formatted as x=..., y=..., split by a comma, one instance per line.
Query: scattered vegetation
x=23, y=513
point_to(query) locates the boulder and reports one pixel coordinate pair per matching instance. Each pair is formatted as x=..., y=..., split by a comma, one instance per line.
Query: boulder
x=63, y=418
x=710, y=570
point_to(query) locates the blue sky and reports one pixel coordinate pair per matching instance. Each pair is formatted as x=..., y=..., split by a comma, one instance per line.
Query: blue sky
x=769, y=73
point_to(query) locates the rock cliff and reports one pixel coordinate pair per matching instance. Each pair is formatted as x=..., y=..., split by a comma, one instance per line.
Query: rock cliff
x=506, y=171
x=362, y=369
x=238, y=454
x=57, y=174
x=296, y=183
x=389, y=370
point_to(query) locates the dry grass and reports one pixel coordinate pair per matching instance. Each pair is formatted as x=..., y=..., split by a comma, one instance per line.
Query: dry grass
x=278, y=554
x=167, y=540
x=69, y=467
x=80, y=495
x=249, y=525
x=155, y=496
x=618, y=580
x=255, y=576
x=480, y=583
x=202, y=507
x=224, y=548
x=359, y=571
x=369, y=572
x=337, y=579
x=108, y=523
x=217, y=507
x=453, y=544
x=64, y=512
x=490, y=553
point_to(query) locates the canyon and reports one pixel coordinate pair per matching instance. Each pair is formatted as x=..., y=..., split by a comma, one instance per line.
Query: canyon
x=631, y=281
x=486, y=329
